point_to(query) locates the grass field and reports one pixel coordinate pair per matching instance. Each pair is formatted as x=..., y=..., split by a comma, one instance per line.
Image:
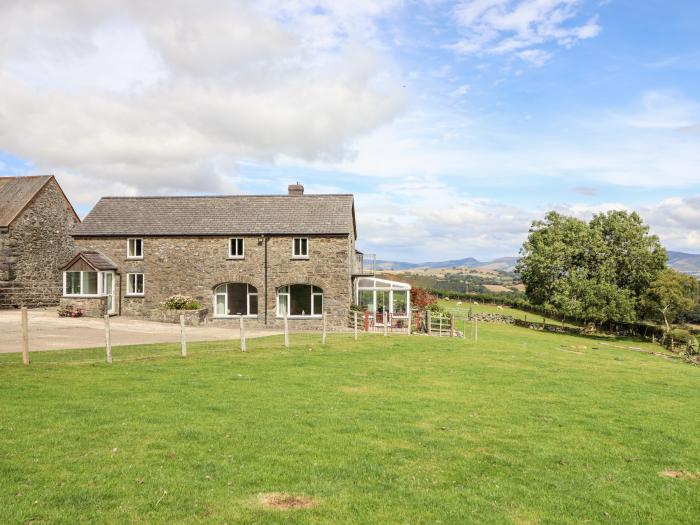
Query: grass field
x=523, y=427
x=461, y=311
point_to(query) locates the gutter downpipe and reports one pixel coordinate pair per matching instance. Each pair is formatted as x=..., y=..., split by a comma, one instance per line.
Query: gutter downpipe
x=265, y=242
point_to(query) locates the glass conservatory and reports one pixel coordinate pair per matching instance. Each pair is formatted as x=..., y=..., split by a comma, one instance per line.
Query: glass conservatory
x=380, y=295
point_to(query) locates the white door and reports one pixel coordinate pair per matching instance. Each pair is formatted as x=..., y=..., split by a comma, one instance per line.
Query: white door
x=109, y=291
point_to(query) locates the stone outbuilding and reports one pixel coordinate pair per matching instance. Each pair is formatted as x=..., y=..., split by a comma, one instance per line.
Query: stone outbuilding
x=258, y=256
x=36, y=222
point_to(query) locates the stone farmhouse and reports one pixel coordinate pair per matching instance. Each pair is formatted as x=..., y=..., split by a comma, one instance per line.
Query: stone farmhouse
x=36, y=221
x=259, y=256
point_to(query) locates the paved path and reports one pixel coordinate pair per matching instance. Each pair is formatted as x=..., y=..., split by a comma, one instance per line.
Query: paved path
x=47, y=331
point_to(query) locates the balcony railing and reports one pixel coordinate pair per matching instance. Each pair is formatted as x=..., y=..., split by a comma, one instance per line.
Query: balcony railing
x=364, y=264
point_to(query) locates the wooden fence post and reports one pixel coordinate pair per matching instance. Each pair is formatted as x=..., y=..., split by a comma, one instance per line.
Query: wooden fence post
x=408, y=322
x=476, y=330
x=183, y=337
x=429, y=323
x=384, y=321
x=440, y=318
x=323, y=337
x=243, y=340
x=108, y=340
x=286, y=330
x=355, y=325
x=25, y=336
x=452, y=326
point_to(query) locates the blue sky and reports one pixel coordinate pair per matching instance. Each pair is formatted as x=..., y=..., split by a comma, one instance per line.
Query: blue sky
x=455, y=124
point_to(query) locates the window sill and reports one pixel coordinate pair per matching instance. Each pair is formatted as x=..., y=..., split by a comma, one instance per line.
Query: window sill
x=135, y=258
x=234, y=317
x=83, y=296
x=135, y=295
x=300, y=257
x=301, y=317
x=235, y=258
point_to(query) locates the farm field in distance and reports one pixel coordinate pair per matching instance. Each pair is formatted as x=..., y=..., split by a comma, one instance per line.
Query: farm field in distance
x=521, y=427
x=461, y=311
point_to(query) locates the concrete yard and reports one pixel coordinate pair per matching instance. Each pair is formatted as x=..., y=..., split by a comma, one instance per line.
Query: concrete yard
x=47, y=331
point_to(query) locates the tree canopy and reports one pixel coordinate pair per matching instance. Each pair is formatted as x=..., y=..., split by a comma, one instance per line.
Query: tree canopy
x=595, y=270
x=670, y=295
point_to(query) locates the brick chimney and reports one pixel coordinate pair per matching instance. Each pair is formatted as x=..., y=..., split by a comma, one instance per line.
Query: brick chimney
x=296, y=189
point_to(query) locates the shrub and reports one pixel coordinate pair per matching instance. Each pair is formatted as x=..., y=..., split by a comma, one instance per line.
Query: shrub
x=181, y=302
x=422, y=299
x=683, y=338
x=438, y=309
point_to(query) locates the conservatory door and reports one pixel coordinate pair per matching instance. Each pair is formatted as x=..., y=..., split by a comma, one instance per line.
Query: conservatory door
x=383, y=305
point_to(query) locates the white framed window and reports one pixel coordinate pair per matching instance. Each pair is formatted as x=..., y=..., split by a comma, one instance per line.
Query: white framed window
x=81, y=283
x=134, y=248
x=300, y=247
x=236, y=248
x=135, y=284
x=234, y=299
x=300, y=300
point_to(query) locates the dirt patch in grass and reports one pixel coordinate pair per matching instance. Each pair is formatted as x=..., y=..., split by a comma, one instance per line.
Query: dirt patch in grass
x=283, y=501
x=681, y=474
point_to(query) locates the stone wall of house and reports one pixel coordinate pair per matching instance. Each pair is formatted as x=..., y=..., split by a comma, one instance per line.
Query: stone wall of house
x=33, y=250
x=194, y=266
x=86, y=306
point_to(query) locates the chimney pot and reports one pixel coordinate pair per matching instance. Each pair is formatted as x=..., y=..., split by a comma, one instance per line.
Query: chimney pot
x=296, y=189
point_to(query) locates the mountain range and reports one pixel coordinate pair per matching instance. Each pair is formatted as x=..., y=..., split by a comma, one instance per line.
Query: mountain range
x=503, y=264
x=681, y=261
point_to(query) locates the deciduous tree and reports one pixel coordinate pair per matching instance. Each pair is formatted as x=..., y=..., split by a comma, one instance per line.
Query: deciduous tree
x=594, y=271
x=671, y=295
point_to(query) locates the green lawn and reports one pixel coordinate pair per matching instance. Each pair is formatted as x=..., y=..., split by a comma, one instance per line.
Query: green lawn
x=523, y=427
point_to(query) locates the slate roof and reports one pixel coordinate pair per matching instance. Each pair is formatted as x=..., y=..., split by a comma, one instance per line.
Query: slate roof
x=220, y=215
x=16, y=193
x=97, y=260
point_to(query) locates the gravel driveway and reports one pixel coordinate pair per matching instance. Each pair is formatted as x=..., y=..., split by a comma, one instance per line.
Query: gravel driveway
x=47, y=331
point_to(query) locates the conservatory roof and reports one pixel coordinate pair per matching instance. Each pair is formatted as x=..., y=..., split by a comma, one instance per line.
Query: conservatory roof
x=373, y=283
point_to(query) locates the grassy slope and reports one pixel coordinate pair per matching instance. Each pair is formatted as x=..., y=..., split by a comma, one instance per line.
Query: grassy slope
x=526, y=427
x=462, y=310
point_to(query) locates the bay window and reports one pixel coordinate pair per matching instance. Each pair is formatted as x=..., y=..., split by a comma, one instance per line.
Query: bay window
x=83, y=283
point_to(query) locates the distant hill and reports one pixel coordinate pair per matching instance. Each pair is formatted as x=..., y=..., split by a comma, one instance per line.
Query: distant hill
x=683, y=262
x=504, y=264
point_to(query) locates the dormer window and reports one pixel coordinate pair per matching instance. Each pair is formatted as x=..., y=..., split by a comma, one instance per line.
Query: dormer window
x=236, y=248
x=300, y=248
x=134, y=248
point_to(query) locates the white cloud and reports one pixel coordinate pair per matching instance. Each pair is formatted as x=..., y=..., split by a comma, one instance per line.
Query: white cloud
x=461, y=90
x=659, y=109
x=425, y=218
x=537, y=57
x=500, y=27
x=167, y=96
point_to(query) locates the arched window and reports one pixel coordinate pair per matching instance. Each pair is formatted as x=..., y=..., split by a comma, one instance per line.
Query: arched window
x=300, y=300
x=235, y=299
